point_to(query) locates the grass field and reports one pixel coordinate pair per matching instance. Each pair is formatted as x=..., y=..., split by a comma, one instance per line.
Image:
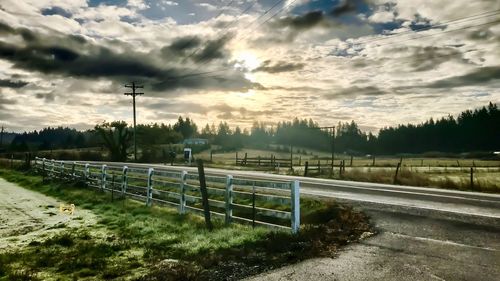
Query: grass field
x=417, y=171
x=134, y=242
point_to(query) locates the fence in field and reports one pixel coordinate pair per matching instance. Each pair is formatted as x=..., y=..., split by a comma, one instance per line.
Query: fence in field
x=258, y=202
x=259, y=161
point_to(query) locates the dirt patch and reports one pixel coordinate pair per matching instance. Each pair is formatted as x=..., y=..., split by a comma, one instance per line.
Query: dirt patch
x=26, y=215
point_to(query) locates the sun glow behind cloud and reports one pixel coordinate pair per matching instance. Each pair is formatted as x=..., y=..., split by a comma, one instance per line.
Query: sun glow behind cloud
x=307, y=64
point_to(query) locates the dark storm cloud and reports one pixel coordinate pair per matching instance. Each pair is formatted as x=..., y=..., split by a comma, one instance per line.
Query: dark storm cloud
x=24, y=32
x=74, y=56
x=355, y=91
x=181, y=45
x=280, y=66
x=214, y=49
x=480, y=76
x=318, y=17
x=7, y=83
x=302, y=22
x=56, y=11
x=428, y=58
x=345, y=7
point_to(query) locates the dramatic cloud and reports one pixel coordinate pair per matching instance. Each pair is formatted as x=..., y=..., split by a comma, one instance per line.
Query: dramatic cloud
x=7, y=83
x=280, y=66
x=92, y=61
x=477, y=77
x=379, y=62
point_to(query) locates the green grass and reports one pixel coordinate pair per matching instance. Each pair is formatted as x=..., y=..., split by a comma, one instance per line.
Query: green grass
x=484, y=181
x=134, y=242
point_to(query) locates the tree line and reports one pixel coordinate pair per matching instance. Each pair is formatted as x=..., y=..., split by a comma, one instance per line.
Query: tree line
x=471, y=130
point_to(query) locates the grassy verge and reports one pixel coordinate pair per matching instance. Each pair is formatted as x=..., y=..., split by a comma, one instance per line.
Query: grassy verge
x=449, y=180
x=133, y=242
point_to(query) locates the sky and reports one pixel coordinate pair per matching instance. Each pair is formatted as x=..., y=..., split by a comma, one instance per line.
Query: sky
x=378, y=62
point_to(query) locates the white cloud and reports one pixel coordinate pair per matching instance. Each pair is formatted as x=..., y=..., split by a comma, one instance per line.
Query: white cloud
x=207, y=6
x=375, y=79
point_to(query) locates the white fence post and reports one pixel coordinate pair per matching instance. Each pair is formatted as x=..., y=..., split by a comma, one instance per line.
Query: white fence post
x=86, y=173
x=103, y=177
x=61, y=172
x=149, y=198
x=52, y=168
x=295, y=187
x=73, y=173
x=124, y=180
x=182, y=196
x=43, y=166
x=229, y=198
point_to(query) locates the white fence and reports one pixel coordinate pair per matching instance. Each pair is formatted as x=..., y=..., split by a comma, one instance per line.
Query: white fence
x=258, y=202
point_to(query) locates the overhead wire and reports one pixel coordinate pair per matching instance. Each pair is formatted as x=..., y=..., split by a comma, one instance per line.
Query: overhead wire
x=465, y=19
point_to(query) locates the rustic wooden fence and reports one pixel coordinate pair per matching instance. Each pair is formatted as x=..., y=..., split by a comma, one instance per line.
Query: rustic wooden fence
x=259, y=161
x=257, y=202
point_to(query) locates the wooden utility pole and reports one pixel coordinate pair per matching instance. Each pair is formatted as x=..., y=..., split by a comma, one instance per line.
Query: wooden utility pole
x=133, y=86
x=1, y=137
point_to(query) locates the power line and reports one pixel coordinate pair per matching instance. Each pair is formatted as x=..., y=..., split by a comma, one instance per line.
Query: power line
x=218, y=15
x=221, y=70
x=440, y=33
x=429, y=35
x=416, y=31
x=223, y=29
x=443, y=24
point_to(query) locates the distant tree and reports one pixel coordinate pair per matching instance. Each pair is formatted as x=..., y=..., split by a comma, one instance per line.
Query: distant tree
x=116, y=137
x=186, y=127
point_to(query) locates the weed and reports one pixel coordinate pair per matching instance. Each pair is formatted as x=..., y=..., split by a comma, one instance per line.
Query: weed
x=157, y=243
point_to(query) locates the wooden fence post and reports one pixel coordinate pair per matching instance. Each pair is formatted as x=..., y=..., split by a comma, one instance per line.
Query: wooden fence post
x=373, y=161
x=350, y=164
x=149, y=199
x=229, y=199
x=204, y=194
x=246, y=158
x=306, y=167
x=295, y=188
x=236, y=158
x=182, y=197
x=471, y=178
x=124, y=180
x=396, y=174
x=211, y=155
x=103, y=177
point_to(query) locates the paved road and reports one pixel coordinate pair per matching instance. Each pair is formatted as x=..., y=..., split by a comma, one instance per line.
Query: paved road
x=424, y=233
x=409, y=247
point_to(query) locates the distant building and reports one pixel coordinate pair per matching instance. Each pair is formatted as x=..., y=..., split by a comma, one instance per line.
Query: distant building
x=195, y=141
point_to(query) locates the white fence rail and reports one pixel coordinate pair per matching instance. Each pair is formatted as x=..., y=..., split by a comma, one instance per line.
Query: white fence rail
x=258, y=202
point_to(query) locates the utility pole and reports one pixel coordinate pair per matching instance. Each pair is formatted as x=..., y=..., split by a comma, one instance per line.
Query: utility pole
x=1, y=137
x=133, y=86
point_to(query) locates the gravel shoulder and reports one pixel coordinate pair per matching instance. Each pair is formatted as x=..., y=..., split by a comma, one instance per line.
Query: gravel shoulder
x=27, y=215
